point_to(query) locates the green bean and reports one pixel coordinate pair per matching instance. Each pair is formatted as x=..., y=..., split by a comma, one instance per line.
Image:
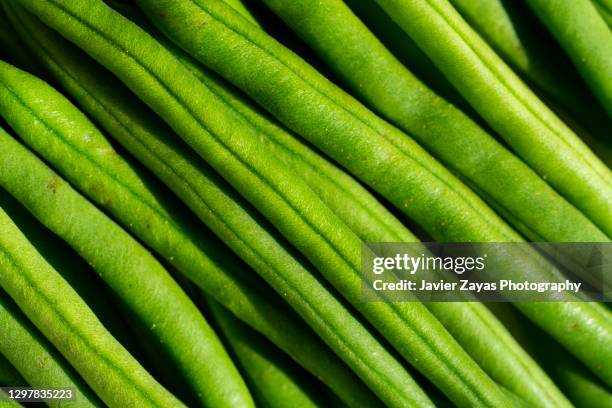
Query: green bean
x=370, y=71
x=229, y=144
x=358, y=58
x=350, y=201
x=36, y=360
x=515, y=34
x=374, y=151
x=9, y=376
x=171, y=318
x=71, y=267
x=60, y=133
x=276, y=381
x=458, y=319
x=587, y=39
x=61, y=315
x=517, y=115
x=154, y=144
x=405, y=50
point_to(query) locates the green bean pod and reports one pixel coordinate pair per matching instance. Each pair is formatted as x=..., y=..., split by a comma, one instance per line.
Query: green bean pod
x=62, y=316
x=405, y=50
x=170, y=317
x=374, y=151
x=348, y=199
x=34, y=358
x=370, y=71
x=512, y=30
x=276, y=382
x=518, y=372
x=506, y=103
x=60, y=133
x=148, y=139
x=285, y=200
x=580, y=386
x=587, y=39
x=79, y=275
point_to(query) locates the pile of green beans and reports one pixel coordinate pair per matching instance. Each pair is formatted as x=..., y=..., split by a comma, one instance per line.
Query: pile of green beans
x=188, y=189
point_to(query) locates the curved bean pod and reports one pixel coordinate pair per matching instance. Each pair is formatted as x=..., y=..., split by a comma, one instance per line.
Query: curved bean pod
x=370, y=71
x=172, y=319
x=517, y=115
x=22, y=344
x=149, y=139
x=287, y=202
x=356, y=55
x=79, y=275
x=350, y=201
x=374, y=151
x=62, y=316
x=60, y=133
x=276, y=381
x=514, y=33
x=587, y=39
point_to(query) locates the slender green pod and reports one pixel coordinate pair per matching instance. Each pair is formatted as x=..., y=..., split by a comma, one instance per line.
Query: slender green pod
x=508, y=105
x=171, y=318
x=405, y=50
x=37, y=362
x=156, y=146
x=346, y=197
x=518, y=371
x=234, y=150
x=53, y=306
x=79, y=275
x=377, y=153
x=587, y=39
x=512, y=30
x=370, y=71
x=350, y=201
x=594, y=136
x=275, y=381
x=580, y=386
